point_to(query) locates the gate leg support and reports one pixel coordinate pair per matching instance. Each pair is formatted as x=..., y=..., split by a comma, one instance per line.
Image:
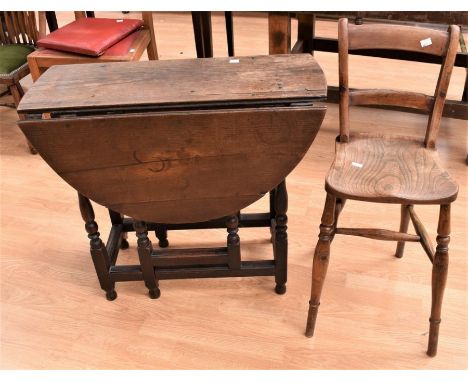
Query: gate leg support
x=97, y=248
x=145, y=251
x=233, y=242
x=280, y=246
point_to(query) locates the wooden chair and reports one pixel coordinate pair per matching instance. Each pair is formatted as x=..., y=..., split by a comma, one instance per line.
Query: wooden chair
x=129, y=49
x=18, y=36
x=390, y=169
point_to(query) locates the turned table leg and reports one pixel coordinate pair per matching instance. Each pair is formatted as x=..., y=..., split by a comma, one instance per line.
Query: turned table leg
x=145, y=251
x=117, y=219
x=233, y=242
x=161, y=235
x=280, y=245
x=124, y=244
x=272, y=215
x=98, y=250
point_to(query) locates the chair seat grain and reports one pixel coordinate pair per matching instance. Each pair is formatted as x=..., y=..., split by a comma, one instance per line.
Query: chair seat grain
x=389, y=169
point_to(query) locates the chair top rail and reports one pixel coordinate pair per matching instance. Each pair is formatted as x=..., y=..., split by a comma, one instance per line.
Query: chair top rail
x=400, y=37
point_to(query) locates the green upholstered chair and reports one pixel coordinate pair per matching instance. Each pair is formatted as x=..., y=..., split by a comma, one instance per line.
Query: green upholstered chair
x=18, y=36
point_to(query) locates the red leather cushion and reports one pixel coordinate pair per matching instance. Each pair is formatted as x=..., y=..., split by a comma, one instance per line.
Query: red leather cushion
x=123, y=47
x=90, y=36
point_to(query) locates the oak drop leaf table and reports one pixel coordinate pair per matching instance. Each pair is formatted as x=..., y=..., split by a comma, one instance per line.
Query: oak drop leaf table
x=178, y=144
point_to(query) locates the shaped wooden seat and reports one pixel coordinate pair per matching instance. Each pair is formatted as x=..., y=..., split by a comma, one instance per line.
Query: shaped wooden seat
x=390, y=169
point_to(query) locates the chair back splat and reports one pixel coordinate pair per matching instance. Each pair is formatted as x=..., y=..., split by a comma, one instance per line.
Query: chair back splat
x=18, y=28
x=403, y=38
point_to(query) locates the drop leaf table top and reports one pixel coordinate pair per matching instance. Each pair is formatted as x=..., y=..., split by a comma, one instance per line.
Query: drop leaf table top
x=176, y=141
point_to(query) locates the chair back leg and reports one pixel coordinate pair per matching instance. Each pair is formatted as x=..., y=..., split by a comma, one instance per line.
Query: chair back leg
x=404, y=222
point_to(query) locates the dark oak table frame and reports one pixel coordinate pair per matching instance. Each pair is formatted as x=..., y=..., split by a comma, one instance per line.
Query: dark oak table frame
x=187, y=263
x=194, y=263
x=263, y=116
x=275, y=219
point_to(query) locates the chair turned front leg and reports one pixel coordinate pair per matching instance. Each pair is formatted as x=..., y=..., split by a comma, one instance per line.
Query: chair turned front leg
x=145, y=251
x=404, y=222
x=320, y=265
x=98, y=250
x=439, y=277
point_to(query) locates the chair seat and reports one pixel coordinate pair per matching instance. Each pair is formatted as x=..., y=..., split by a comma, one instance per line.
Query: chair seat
x=128, y=49
x=12, y=57
x=89, y=35
x=389, y=169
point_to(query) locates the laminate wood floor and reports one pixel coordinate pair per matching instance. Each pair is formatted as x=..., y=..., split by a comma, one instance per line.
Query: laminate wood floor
x=375, y=307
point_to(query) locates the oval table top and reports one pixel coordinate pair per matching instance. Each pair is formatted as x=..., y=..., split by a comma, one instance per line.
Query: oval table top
x=215, y=151
x=231, y=80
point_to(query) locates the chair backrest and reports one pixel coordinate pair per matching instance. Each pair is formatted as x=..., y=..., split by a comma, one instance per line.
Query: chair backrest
x=19, y=28
x=396, y=37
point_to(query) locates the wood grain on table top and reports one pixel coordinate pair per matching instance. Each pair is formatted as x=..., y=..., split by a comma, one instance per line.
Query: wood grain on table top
x=177, y=167
x=253, y=78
